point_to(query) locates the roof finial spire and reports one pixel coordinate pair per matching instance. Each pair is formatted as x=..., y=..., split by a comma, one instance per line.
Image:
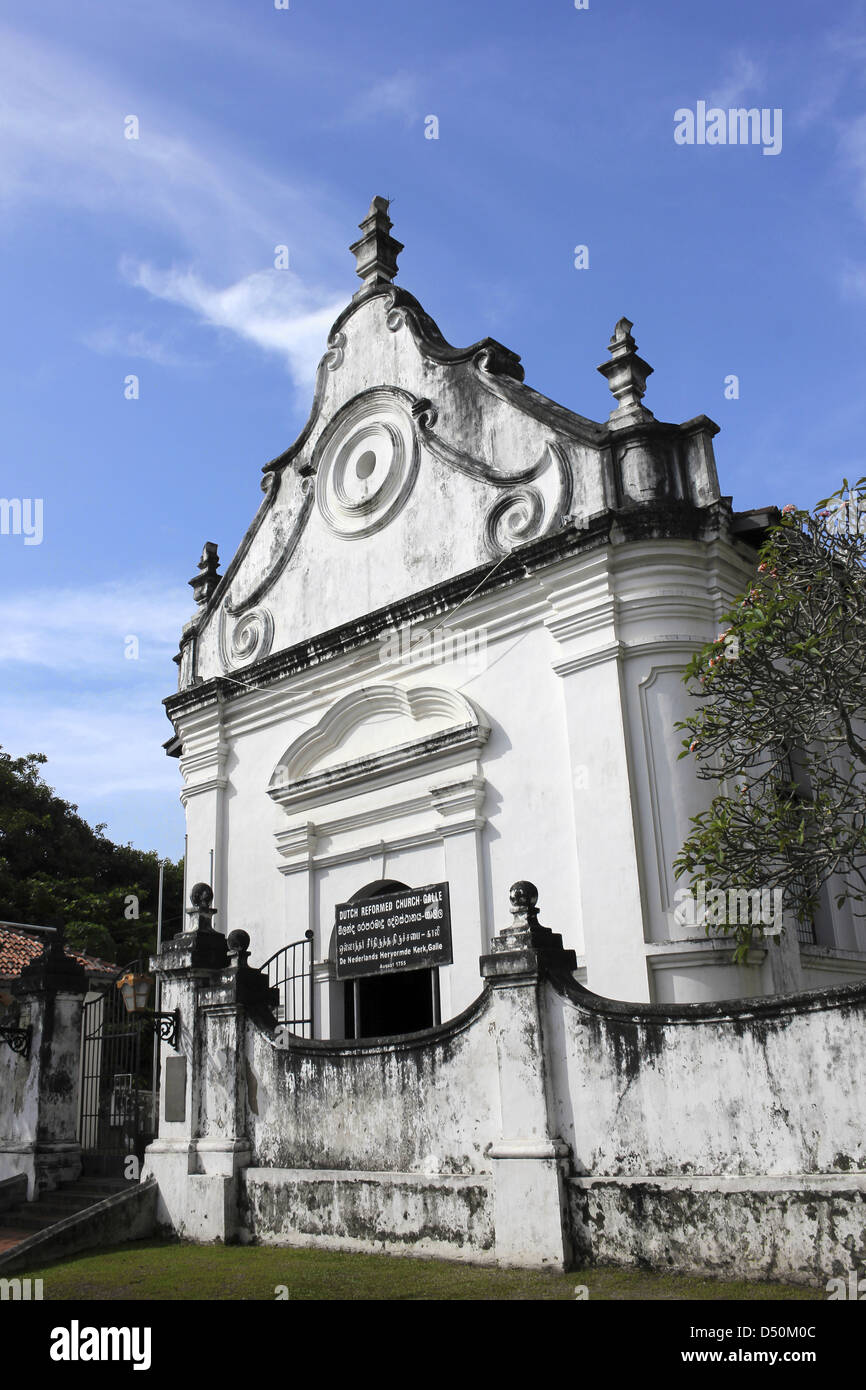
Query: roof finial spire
x=626, y=375
x=204, y=583
x=376, y=251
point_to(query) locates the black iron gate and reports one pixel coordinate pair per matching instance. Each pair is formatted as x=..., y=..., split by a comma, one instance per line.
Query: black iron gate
x=118, y=1104
x=290, y=970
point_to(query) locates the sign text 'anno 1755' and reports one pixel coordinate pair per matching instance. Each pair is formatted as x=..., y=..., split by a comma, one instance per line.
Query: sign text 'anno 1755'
x=406, y=930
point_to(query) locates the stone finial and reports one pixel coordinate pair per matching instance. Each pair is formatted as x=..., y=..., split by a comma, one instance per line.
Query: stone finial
x=202, y=912
x=626, y=375
x=238, y=942
x=525, y=946
x=204, y=583
x=246, y=986
x=523, y=897
x=376, y=251
x=53, y=969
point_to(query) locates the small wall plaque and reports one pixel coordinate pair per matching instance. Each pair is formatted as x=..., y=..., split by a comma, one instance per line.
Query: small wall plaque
x=175, y=1089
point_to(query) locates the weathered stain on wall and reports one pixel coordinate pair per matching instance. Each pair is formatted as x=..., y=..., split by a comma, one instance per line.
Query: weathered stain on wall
x=330, y=1105
x=762, y=1087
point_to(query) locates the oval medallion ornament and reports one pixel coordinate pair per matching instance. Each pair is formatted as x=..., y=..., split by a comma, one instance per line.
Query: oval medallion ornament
x=366, y=463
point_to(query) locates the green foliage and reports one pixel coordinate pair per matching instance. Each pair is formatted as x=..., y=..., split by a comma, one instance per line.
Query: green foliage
x=781, y=720
x=54, y=867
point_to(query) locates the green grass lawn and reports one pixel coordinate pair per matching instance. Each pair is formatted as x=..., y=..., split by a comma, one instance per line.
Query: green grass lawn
x=171, y=1271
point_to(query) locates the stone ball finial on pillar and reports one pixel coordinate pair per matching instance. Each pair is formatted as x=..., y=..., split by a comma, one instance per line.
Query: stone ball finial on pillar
x=238, y=945
x=525, y=945
x=202, y=912
x=523, y=897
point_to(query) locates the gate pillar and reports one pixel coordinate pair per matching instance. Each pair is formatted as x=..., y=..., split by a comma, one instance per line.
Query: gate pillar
x=51, y=989
x=202, y=1145
x=530, y=1162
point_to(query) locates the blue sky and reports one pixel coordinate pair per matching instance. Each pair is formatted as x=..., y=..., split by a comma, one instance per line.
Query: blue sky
x=260, y=127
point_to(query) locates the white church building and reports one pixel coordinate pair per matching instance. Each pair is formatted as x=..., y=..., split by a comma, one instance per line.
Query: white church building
x=449, y=652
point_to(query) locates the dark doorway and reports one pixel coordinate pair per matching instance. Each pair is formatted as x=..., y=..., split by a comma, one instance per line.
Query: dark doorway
x=398, y=1003
x=377, y=1006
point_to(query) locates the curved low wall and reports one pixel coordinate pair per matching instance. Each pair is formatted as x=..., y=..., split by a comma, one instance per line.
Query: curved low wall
x=764, y=1086
x=544, y=1126
x=724, y=1138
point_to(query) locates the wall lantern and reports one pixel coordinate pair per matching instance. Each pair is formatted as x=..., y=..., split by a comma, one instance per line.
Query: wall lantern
x=135, y=990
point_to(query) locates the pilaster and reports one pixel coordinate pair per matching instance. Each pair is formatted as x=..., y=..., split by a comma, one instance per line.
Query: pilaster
x=203, y=765
x=585, y=626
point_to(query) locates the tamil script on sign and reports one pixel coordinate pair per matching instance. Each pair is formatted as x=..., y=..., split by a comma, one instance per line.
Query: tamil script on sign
x=406, y=930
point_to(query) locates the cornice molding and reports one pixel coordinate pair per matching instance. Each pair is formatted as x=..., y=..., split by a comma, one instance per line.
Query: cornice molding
x=527, y=561
x=612, y=652
x=212, y=784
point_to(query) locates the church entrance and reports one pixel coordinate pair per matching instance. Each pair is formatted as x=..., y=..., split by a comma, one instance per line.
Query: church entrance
x=382, y=1005
x=403, y=1001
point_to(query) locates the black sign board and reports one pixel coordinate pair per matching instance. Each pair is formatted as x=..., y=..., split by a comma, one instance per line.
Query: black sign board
x=406, y=930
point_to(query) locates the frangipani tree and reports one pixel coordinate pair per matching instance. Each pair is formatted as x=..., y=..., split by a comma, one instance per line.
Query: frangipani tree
x=781, y=721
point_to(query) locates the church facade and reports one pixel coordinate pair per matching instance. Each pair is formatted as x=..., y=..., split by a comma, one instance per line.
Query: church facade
x=449, y=651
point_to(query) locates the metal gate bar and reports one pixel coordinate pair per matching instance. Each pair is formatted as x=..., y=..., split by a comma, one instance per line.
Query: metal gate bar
x=117, y=1105
x=290, y=970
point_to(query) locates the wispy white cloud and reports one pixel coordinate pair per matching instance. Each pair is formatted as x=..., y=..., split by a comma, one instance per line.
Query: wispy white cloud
x=62, y=140
x=852, y=170
x=744, y=74
x=271, y=308
x=854, y=281
x=83, y=632
x=95, y=749
x=112, y=341
x=852, y=152
x=102, y=725
x=390, y=96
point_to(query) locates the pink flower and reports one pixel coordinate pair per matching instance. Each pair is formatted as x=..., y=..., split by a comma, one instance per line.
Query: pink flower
x=788, y=507
x=693, y=746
